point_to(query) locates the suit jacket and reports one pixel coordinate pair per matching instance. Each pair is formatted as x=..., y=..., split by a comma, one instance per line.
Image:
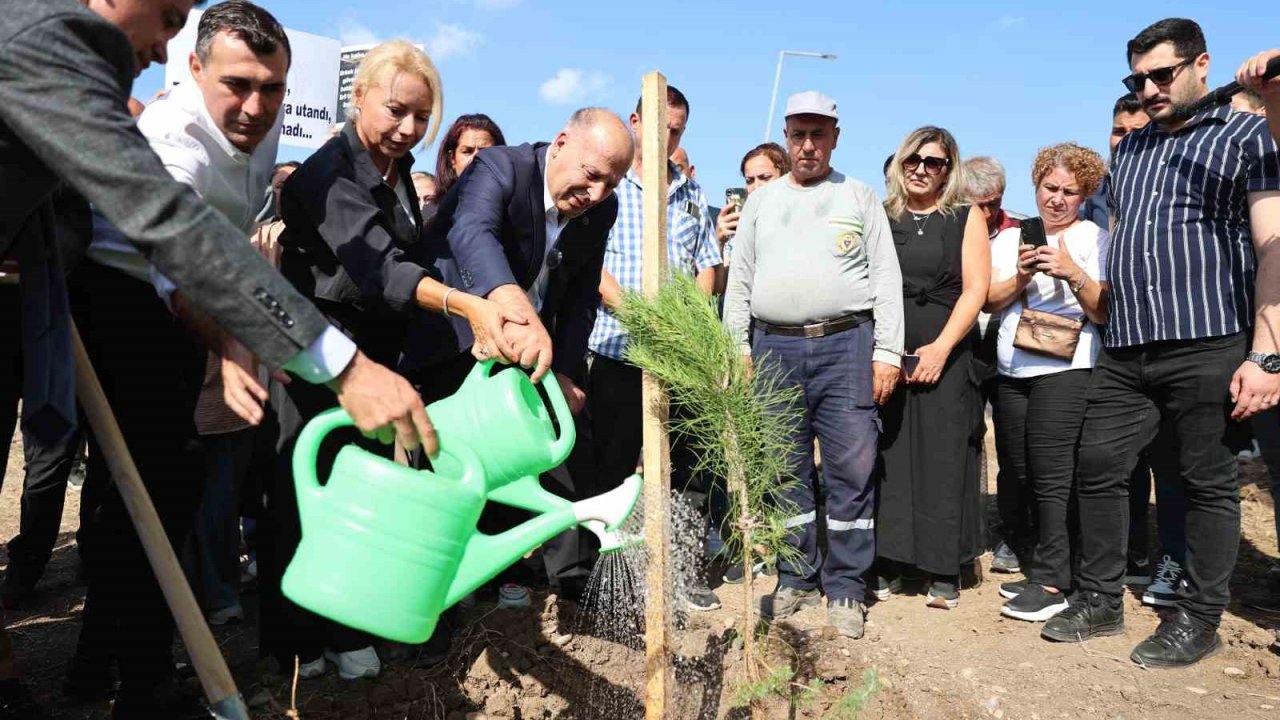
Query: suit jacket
x=491, y=230
x=346, y=242
x=65, y=75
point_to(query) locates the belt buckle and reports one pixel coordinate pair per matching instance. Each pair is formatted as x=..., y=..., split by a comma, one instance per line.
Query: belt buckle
x=814, y=331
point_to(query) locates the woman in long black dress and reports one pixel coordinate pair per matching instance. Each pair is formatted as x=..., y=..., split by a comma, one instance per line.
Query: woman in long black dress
x=930, y=515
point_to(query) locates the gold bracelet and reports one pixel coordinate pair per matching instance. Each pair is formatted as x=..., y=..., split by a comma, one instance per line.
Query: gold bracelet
x=447, y=293
x=1084, y=280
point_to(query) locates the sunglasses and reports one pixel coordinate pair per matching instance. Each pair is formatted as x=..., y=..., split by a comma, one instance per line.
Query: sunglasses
x=932, y=165
x=1159, y=76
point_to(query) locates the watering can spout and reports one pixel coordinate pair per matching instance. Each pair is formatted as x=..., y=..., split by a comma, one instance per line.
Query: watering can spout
x=488, y=555
x=604, y=521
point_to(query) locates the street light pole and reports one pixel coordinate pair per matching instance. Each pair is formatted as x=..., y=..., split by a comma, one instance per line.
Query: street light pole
x=777, y=78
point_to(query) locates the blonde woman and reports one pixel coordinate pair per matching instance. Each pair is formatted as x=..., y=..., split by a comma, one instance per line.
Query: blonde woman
x=929, y=518
x=352, y=226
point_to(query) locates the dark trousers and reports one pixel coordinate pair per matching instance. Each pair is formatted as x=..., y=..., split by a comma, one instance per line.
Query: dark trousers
x=151, y=370
x=44, y=492
x=212, y=556
x=1266, y=430
x=835, y=405
x=1015, y=492
x=1133, y=390
x=285, y=629
x=10, y=367
x=1158, y=462
x=1038, y=423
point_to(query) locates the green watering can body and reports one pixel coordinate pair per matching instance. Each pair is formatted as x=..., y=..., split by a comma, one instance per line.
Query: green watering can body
x=502, y=417
x=386, y=548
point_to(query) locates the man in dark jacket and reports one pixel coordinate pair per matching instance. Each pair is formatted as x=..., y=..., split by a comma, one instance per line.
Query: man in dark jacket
x=526, y=227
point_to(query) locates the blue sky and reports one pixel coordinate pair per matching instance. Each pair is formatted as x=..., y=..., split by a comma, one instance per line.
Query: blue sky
x=1005, y=77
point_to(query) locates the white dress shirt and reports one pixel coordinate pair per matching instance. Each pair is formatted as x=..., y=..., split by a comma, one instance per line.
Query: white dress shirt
x=196, y=152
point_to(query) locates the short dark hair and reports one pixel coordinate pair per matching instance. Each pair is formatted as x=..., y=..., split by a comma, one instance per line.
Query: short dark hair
x=1127, y=103
x=446, y=176
x=675, y=98
x=255, y=26
x=774, y=152
x=1186, y=36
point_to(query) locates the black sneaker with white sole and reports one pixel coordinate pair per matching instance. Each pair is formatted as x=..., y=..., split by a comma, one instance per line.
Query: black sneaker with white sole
x=882, y=588
x=1005, y=560
x=1137, y=574
x=1013, y=589
x=943, y=594
x=1035, y=604
x=733, y=575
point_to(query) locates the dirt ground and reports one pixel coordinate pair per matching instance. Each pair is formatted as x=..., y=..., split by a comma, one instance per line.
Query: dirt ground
x=925, y=663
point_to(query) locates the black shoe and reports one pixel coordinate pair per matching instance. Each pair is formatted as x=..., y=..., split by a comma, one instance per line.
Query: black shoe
x=1137, y=573
x=88, y=679
x=1088, y=615
x=166, y=700
x=1178, y=642
x=733, y=574
x=17, y=589
x=1035, y=604
x=700, y=598
x=943, y=594
x=1005, y=560
x=1013, y=589
x=16, y=702
x=883, y=587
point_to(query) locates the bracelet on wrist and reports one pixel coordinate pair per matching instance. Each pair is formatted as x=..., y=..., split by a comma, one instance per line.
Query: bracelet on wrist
x=1076, y=287
x=447, y=293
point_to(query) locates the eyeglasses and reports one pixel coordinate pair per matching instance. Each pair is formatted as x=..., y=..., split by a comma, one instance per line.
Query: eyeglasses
x=1159, y=76
x=932, y=165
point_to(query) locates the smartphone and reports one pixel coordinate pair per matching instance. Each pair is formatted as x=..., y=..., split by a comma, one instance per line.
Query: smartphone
x=910, y=363
x=1033, y=232
x=736, y=197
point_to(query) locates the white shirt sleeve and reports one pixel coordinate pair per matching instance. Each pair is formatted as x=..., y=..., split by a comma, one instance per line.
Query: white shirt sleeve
x=325, y=359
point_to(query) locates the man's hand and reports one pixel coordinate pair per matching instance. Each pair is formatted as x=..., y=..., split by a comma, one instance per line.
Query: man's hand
x=241, y=390
x=727, y=223
x=488, y=320
x=384, y=405
x=1250, y=74
x=885, y=379
x=1253, y=390
x=572, y=394
x=532, y=344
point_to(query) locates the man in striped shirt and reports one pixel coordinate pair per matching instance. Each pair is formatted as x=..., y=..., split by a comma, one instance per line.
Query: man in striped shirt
x=1195, y=216
x=613, y=385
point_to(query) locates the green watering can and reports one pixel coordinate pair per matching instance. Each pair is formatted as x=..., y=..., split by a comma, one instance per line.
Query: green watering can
x=387, y=548
x=503, y=414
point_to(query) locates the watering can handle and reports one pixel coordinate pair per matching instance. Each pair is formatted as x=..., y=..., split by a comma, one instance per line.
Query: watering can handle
x=561, y=448
x=307, y=448
x=563, y=445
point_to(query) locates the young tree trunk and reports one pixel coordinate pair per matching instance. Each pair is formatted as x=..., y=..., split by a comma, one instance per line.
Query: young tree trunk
x=738, y=487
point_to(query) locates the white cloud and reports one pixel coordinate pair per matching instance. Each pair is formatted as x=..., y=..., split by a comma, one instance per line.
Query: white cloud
x=351, y=32
x=451, y=40
x=1008, y=21
x=570, y=85
x=497, y=4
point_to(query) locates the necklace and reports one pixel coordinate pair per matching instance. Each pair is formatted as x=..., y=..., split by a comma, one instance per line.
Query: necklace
x=921, y=226
x=391, y=171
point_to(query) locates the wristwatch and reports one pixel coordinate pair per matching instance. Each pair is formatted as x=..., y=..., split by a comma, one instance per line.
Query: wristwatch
x=1269, y=362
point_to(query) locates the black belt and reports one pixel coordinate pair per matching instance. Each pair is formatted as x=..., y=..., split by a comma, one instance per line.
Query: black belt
x=822, y=329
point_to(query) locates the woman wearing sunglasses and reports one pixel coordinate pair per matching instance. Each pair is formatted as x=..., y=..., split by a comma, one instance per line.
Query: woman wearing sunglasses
x=930, y=517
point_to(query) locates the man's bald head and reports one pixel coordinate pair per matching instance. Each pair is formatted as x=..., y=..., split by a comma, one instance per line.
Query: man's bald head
x=587, y=160
x=681, y=159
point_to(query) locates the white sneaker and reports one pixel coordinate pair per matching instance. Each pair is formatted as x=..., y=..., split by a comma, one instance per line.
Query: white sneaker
x=1163, y=590
x=235, y=613
x=356, y=664
x=312, y=669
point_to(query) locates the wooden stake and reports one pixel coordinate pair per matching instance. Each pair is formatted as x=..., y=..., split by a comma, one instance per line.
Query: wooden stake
x=657, y=452
x=219, y=687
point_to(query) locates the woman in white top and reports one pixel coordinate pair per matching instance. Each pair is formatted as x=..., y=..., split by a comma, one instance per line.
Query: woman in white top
x=1040, y=400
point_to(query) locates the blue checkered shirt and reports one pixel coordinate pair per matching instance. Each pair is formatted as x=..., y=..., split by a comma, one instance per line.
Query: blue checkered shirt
x=691, y=247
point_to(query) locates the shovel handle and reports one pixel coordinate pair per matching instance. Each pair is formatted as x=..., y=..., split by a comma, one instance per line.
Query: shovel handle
x=307, y=448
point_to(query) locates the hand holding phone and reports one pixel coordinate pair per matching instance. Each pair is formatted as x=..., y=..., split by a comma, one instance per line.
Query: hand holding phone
x=736, y=197
x=909, y=364
x=1033, y=232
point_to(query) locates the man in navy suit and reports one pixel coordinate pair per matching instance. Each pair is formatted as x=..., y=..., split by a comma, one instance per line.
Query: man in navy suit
x=526, y=226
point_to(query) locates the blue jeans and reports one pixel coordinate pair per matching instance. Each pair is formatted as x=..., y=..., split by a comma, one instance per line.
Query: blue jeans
x=214, y=548
x=835, y=405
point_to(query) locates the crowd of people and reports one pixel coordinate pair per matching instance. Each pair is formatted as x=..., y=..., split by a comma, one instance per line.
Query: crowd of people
x=1127, y=330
